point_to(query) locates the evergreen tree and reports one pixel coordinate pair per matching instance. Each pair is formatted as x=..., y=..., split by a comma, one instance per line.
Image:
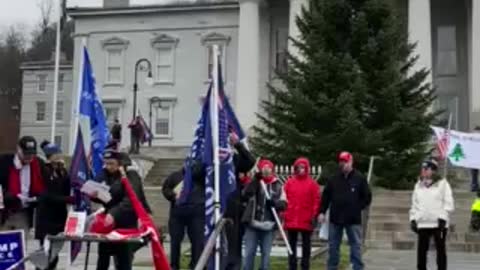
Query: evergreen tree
x=352, y=88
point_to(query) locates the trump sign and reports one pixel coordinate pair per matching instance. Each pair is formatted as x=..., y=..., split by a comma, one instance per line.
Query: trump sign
x=12, y=249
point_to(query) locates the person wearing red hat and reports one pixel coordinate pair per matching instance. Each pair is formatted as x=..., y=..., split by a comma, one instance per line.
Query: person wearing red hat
x=258, y=216
x=303, y=196
x=346, y=194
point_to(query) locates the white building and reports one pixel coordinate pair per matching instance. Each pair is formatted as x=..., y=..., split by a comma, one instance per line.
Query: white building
x=177, y=38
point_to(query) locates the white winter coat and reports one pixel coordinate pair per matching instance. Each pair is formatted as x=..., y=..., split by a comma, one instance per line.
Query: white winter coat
x=431, y=203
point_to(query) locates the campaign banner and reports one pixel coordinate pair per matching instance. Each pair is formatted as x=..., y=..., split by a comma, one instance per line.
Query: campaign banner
x=463, y=149
x=12, y=249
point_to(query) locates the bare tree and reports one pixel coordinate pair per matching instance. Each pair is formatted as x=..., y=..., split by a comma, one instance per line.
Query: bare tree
x=46, y=8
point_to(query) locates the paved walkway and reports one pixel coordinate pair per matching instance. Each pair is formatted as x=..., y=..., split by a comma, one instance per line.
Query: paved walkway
x=406, y=260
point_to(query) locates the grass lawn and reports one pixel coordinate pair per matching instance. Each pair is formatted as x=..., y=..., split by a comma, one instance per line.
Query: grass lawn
x=277, y=263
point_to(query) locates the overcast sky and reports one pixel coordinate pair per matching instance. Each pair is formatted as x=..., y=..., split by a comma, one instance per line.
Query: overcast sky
x=27, y=12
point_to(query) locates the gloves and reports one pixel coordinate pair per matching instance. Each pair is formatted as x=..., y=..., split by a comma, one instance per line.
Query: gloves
x=270, y=203
x=442, y=224
x=413, y=226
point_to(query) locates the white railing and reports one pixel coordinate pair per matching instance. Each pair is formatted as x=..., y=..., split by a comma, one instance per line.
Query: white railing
x=283, y=172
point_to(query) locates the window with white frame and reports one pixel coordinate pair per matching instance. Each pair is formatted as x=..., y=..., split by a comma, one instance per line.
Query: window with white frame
x=209, y=41
x=163, y=120
x=446, y=50
x=42, y=83
x=115, y=57
x=114, y=65
x=61, y=78
x=41, y=108
x=164, y=69
x=112, y=112
x=59, y=113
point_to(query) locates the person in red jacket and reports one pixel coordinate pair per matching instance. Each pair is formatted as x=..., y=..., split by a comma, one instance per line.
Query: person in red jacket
x=303, y=196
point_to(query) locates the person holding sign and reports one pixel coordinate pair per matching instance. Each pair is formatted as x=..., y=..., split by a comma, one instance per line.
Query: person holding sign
x=22, y=179
x=119, y=213
x=51, y=212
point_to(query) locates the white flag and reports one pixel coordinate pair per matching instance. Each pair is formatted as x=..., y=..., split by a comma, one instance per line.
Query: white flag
x=463, y=148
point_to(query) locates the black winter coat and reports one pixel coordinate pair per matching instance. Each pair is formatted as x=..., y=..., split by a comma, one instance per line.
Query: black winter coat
x=120, y=206
x=346, y=196
x=51, y=211
x=257, y=208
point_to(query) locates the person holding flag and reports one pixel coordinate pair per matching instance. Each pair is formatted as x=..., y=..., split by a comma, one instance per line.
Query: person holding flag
x=259, y=217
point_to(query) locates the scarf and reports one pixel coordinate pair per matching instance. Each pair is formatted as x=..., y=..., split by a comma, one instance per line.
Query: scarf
x=36, y=181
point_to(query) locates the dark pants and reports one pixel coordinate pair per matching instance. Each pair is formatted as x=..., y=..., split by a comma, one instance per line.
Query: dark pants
x=191, y=219
x=120, y=252
x=135, y=144
x=424, y=236
x=234, y=232
x=474, y=185
x=53, y=261
x=306, y=249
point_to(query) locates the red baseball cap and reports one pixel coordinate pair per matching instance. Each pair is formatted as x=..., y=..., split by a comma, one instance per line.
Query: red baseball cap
x=345, y=157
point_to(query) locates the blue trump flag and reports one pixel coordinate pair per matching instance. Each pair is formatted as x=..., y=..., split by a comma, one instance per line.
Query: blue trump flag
x=203, y=150
x=87, y=157
x=91, y=109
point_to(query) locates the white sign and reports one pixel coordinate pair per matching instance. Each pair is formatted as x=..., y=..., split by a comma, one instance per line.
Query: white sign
x=463, y=148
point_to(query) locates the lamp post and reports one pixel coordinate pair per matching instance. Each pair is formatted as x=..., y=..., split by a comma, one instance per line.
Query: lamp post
x=148, y=80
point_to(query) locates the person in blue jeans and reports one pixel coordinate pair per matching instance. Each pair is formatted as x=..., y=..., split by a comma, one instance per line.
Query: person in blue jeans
x=258, y=215
x=346, y=194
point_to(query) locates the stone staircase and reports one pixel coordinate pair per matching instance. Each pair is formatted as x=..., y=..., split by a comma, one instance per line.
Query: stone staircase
x=389, y=226
x=389, y=235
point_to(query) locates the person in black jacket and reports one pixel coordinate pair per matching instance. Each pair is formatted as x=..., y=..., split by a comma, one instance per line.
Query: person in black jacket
x=51, y=211
x=119, y=210
x=243, y=161
x=346, y=194
x=189, y=216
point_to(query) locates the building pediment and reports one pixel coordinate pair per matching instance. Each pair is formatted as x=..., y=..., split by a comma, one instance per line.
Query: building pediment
x=164, y=38
x=215, y=37
x=115, y=41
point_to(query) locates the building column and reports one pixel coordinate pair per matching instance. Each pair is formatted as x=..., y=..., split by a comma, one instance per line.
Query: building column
x=420, y=32
x=474, y=88
x=248, y=69
x=293, y=31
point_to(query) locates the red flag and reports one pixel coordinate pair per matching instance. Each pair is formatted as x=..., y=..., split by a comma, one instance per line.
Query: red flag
x=146, y=225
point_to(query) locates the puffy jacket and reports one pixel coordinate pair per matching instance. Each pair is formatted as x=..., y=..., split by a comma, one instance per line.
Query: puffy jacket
x=303, y=196
x=431, y=203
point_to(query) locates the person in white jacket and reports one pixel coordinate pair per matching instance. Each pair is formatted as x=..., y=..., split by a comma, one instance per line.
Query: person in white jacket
x=432, y=204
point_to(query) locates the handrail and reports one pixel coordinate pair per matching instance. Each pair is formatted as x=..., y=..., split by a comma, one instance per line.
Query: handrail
x=210, y=245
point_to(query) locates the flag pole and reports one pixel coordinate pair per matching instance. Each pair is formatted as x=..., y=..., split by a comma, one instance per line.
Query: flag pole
x=56, y=72
x=76, y=107
x=445, y=161
x=216, y=158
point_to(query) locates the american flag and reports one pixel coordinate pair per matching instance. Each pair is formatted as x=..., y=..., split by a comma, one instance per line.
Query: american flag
x=442, y=144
